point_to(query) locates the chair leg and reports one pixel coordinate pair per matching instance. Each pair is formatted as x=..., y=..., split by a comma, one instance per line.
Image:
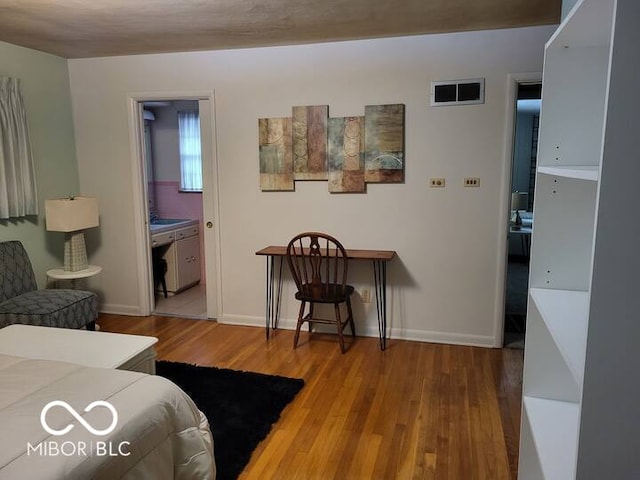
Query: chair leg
x=300, y=320
x=310, y=316
x=164, y=286
x=350, y=313
x=340, y=327
x=163, y=279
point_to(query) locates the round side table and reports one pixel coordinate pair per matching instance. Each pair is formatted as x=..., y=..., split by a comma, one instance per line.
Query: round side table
x=57, y=274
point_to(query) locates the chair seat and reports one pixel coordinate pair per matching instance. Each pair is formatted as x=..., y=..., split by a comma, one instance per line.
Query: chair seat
x=330, y=293
x=64, y=308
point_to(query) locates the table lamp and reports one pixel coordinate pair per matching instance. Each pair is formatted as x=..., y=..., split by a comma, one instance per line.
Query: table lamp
x=519, y=201
x=72, y=215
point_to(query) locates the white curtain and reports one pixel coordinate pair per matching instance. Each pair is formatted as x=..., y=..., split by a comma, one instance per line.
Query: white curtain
x=190, y=156
x=18, y=194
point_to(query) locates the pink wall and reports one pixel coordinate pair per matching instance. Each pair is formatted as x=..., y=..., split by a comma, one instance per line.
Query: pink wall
x=171, y=203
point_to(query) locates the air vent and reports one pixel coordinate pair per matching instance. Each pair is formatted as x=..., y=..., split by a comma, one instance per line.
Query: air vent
x=457, y=92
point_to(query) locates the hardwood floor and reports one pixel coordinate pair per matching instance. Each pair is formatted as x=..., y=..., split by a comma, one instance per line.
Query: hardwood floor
x=414, y=411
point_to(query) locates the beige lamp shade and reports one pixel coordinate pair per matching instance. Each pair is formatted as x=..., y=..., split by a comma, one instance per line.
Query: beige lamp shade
x=71, y=214
x=519, y=201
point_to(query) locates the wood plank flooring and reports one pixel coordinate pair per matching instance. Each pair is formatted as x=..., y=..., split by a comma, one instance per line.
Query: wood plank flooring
x=414, y=411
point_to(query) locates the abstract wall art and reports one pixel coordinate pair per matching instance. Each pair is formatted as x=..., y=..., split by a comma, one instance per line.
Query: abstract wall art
x=310, y=142
x=349, y=152
x=276, y=155
x=346, y=155
x=384, y=143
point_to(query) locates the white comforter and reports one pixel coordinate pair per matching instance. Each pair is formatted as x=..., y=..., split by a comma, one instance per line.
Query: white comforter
x=159, y=434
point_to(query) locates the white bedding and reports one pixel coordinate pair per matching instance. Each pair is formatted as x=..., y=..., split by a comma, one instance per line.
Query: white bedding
x=160, y=433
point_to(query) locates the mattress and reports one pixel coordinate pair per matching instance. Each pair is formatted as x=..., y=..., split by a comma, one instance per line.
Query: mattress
x=65, y=421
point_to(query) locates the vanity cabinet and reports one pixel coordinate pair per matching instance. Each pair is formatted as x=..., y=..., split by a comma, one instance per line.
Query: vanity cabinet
x=179, y=246
x=580, y=387
x=183, y=259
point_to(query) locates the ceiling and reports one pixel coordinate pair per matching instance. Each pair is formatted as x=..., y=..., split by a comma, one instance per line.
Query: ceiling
x=95, y=28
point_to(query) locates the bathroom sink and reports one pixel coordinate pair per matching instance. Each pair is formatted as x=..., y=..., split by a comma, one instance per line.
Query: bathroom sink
x=168, y=221
x=161, y=225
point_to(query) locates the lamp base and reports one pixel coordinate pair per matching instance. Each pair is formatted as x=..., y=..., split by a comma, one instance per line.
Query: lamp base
x=75, y=252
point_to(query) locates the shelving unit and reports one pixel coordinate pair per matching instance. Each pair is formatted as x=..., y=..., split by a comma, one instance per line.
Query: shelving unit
x=581, y=388
x=578, y=172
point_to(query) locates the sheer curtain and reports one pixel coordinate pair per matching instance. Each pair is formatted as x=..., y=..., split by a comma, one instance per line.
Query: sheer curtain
x=190, y=157
x=18, y=194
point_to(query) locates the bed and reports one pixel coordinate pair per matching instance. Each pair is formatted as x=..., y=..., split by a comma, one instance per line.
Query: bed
x=153, y=430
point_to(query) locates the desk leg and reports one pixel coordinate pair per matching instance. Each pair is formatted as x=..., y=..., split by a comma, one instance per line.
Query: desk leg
x=380, y=279
x=273, y=298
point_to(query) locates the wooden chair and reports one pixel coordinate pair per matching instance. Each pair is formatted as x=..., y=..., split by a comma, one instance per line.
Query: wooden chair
x=319, y=264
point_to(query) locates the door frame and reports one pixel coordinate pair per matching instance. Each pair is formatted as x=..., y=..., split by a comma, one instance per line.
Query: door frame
x=513, y=80
x=210, y=198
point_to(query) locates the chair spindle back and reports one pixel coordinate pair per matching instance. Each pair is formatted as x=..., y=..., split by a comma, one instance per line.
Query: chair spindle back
x=318, y=264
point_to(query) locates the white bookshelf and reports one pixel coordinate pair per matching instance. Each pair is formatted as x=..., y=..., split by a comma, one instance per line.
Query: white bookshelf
x=590, y=172
x=581, y=386
x=565, y=314
x=555, y=435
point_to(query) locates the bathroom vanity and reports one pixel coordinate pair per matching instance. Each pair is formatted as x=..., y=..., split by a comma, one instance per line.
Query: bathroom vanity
x=178, y=242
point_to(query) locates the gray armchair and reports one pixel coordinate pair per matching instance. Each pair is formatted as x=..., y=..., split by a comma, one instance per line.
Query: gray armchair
x=22, y=302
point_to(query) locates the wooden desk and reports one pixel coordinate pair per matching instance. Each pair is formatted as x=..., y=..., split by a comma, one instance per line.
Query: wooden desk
x=379, y=259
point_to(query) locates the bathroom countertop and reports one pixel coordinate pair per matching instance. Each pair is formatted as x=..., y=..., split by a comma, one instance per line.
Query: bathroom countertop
x=170, y=224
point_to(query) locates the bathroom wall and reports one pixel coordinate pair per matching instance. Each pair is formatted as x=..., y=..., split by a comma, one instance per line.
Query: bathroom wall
x=170, y=202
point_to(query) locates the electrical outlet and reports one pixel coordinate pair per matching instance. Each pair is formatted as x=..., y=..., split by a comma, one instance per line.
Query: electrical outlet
x=472, y=182
x=366, y=296
x=437, y=182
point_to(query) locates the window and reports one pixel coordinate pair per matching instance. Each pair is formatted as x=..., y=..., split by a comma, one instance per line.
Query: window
x=190, y=156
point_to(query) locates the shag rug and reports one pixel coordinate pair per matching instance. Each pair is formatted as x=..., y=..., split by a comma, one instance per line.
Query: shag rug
x=241, y=407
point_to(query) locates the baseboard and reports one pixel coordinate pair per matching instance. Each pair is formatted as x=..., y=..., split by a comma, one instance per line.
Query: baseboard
x=249, y=321
x=116, y=309
x=443, y=337
x=372, y=331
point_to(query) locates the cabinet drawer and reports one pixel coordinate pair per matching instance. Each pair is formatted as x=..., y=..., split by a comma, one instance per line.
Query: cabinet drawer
x=162, y=239
x=186, y=232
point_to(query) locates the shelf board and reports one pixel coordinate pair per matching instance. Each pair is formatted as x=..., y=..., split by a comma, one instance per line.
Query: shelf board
x=565, y=313
x=588, y=24
x=554, y=426
x=587, y=172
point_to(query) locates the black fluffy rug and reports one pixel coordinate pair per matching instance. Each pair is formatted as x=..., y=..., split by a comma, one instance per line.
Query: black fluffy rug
x=241, y=407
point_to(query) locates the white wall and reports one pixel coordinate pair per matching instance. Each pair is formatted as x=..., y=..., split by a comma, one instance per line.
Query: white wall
x=443, y=282
x=521, y=175
x=165, y=145
x=166, y=140
x=45, y=88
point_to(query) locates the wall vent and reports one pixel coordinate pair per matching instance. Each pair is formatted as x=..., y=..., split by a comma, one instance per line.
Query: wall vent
x=457, y=92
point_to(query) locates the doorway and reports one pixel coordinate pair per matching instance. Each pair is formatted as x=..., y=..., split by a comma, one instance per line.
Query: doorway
x=178, y=254
x=174, y=199
x=523, y=171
